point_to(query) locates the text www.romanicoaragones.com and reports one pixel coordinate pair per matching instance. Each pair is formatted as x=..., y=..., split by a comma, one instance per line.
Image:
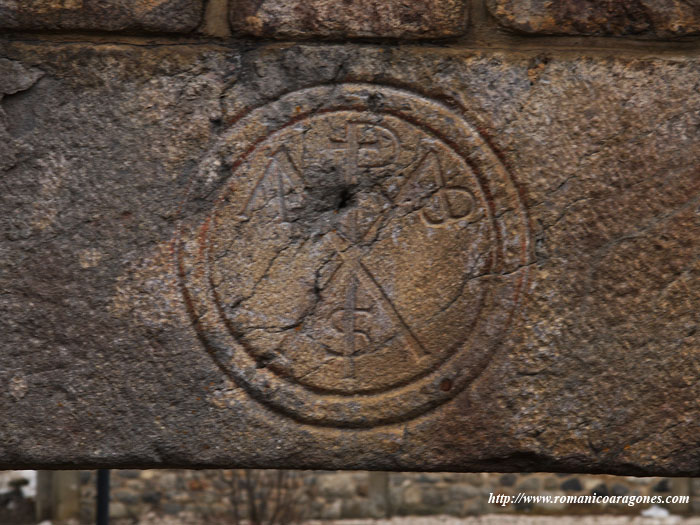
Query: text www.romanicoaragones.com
x=592, y=499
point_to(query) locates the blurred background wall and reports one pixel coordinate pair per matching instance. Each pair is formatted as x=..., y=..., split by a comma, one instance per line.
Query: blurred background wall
x=229, y=496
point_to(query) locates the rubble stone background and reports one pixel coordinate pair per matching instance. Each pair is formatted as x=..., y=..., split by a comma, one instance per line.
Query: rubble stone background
x=217, y=496
x=206, y=494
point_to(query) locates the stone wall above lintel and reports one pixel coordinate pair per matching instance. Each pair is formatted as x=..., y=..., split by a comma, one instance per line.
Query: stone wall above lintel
x=654, y=19
x=420, y=19
x=159, y=16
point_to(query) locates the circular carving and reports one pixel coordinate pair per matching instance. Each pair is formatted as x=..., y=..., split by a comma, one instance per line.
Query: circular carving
x=361, y=260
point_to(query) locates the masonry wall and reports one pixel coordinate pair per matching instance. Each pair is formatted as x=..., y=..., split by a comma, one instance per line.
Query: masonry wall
x=223, y=496
x=216, y=496
x=641, y=20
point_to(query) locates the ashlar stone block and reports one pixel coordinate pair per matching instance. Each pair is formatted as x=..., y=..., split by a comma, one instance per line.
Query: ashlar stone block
x=338, y=257
x=337, y=19
x=163, y=16
x=656, y=19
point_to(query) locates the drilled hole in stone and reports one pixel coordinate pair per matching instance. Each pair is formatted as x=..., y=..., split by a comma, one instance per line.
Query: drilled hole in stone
x=344, y=199
x=446, y=385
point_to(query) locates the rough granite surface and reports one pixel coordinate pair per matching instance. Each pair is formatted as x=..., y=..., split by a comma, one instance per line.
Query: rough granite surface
x=161, y=16
x=352, y=256
x=656, y=19
x=339, y=19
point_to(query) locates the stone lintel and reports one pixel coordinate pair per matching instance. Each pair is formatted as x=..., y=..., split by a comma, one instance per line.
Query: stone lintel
x=345, y=257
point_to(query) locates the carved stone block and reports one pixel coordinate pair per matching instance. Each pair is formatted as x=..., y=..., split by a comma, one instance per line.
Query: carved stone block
x=341, y=19
x=163, y=16
x=319, y=257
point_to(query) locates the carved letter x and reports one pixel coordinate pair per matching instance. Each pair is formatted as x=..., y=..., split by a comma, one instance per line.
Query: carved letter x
x=351, y=254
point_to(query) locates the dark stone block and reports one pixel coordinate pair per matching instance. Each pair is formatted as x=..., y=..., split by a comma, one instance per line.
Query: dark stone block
x=163, y=16
x=151, y=497
x=508, y=480
x=663, y=486
x=572, y=485
x=620, y=490
x=638, y=18
x=600, y=490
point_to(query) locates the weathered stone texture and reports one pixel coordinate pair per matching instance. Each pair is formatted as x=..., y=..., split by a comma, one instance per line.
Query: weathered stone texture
x=346, y=257
x=342, y=19
x=14, y=78
x=643, y=18
x=166, y=16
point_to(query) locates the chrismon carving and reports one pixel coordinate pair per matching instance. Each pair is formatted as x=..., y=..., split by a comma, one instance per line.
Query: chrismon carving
x=365, y=246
